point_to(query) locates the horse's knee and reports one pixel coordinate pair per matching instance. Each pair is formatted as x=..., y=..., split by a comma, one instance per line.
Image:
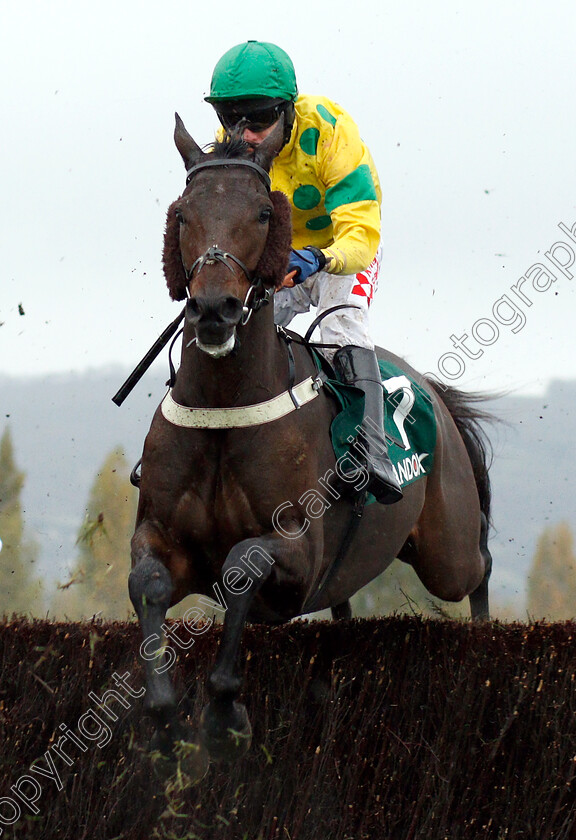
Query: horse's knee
x=150, y=590
x=453, y=594
x=246, y=571
x=149, y=583
x=452, y=584
x=458, y=589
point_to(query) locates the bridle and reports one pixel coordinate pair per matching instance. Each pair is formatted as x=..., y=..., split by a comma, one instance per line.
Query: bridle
x=257, y=295
x=262, y=174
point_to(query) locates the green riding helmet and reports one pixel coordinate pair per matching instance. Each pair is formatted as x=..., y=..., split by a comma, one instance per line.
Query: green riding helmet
x=253, y=69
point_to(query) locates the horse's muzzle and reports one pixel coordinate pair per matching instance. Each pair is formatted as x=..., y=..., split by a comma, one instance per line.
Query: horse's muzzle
x=215, y=321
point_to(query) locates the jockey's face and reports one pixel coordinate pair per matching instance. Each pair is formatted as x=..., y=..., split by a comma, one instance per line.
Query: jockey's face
x=254, y=121
x=254, y=138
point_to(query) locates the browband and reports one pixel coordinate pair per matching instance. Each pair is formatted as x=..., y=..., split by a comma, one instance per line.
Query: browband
x=230, y=162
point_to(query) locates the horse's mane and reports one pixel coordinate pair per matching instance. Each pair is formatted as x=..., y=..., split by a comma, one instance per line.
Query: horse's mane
x=274, y=260
x=231, y=146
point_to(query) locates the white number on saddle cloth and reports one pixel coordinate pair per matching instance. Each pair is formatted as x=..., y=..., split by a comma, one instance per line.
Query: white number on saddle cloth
x=402, y=410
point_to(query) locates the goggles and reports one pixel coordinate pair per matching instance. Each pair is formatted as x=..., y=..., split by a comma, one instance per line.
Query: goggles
x=256, y=121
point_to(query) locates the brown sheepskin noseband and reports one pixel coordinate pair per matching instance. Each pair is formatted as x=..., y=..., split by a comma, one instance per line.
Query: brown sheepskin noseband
x=272, y=265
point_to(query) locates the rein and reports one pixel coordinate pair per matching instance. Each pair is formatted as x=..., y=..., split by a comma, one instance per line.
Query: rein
x=147, y=360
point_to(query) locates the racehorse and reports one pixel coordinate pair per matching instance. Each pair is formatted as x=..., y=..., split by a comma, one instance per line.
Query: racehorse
x=238, y=454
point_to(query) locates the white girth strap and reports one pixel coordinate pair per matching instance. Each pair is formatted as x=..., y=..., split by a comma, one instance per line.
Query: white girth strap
x=247, y=415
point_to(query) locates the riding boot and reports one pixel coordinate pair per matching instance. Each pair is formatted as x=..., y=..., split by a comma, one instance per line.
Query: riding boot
x=359, y=366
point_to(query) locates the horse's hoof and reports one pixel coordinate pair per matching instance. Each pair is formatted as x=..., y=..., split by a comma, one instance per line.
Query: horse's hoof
x=182, y=758
x=226, y=735
x=193, y=759
x=188, y=764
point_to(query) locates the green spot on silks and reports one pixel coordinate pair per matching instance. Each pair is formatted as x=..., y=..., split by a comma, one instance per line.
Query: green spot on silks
x=319, y=223
x=309, y=141
x=306, y=197
x=326, y=115
x=357, y=186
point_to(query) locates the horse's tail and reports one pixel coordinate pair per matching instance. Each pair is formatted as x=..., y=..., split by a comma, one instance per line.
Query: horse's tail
x=469, y=419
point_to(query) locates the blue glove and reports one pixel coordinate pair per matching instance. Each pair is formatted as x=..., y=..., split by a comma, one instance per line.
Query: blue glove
x=307, y=261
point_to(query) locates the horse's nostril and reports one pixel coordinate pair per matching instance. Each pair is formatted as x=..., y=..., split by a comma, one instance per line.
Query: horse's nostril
x=231, y=309
x=224, y=311
x=193, y=310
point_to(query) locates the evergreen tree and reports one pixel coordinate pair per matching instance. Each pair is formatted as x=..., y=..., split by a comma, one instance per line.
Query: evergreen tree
x=20, y=588
x=552, y=580
x=99, y=580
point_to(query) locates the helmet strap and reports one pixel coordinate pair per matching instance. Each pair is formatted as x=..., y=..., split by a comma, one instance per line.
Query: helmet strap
x=289, y=117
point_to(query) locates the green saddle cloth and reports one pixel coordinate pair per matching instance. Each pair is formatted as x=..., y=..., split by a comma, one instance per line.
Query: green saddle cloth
x=409, y=422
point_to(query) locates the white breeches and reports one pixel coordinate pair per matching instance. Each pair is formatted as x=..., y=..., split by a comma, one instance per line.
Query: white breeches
x=323, y=290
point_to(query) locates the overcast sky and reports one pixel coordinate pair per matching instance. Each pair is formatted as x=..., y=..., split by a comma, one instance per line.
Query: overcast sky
x=468, y=109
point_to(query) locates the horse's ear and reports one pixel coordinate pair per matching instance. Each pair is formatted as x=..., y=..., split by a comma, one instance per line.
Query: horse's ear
x=186, y=145
x=172, y=258
x=267, y=150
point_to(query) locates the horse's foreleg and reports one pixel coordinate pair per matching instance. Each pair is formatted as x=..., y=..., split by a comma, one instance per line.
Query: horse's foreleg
x=342, y=612
x=479, y=607
x=150, y=588
x=226, y=730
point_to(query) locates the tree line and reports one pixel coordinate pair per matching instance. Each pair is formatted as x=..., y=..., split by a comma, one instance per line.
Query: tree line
x=97, y=583
x=98, y=580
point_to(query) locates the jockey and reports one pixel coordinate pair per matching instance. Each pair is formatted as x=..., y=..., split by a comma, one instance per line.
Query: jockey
x=328, y=174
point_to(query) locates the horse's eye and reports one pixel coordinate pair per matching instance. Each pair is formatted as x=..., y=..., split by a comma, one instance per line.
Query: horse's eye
x=265, y=215
x=179, y=216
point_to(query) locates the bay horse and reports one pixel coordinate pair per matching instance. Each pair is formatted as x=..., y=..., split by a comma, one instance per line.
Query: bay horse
x=241, y=441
